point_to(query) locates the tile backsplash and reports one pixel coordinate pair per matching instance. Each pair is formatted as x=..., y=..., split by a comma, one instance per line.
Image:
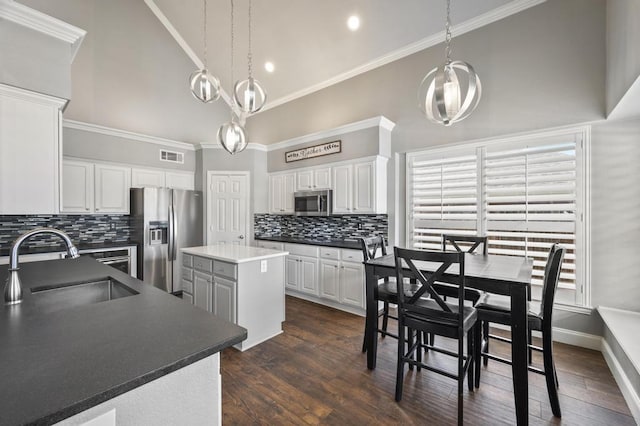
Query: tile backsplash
x=83, y=229
x=320, y=227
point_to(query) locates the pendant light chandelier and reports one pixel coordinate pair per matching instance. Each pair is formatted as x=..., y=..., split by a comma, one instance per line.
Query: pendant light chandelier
x=231, y=134
x=451, y=92
x=204, y=86
x=249, y=94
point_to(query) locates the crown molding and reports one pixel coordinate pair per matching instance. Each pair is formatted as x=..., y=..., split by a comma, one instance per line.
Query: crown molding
x=38, y=21
x=378, y=121
x=95, y=128
x=31, y=96
x=250, y=146
x=479, y=21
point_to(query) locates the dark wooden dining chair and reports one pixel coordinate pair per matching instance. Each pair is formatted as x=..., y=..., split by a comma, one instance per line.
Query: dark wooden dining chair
x=497, y=309
x=427, y=313
x=386, y=290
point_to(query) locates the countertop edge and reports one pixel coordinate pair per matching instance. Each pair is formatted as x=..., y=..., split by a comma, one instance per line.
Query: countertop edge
x=233, y=260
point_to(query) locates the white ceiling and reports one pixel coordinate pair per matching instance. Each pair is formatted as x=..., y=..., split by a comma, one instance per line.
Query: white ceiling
x=308, y=40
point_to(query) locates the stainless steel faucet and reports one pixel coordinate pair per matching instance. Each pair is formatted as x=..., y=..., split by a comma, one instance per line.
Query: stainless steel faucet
x=13, y=289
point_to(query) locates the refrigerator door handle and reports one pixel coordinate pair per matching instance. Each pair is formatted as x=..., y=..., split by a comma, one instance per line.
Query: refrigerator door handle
x=175, y=231
x=171, y=241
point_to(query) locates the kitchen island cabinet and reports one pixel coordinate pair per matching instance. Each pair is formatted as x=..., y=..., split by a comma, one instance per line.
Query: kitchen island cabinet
x=243, y=285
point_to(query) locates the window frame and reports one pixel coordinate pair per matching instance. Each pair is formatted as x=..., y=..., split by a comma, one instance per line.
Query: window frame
x=582, y=303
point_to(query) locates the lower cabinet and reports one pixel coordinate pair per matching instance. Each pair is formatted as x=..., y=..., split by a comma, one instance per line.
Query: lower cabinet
x=224, y=299
x=302, y=274
x=330, y=279
x=352, y=284
x=202, y=290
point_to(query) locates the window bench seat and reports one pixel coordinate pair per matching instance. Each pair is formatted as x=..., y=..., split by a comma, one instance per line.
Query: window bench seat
x=621, y=350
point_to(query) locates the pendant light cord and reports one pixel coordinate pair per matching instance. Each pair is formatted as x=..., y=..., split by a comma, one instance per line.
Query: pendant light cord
x=232, y=41
x=447, y=27
x=249, y=54
x=205, y=35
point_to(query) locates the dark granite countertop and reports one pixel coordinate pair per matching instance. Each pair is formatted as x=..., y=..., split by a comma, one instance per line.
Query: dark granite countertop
x=348, y=243
x=55, y=363
x=4, y=251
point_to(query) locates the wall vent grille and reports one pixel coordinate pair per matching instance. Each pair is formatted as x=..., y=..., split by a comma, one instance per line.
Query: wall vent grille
x=172, y=156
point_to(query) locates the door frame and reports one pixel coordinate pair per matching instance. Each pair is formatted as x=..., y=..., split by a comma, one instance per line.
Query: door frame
x=210, y=175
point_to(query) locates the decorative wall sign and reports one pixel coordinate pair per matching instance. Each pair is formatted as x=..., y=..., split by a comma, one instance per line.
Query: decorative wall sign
x=313, y=151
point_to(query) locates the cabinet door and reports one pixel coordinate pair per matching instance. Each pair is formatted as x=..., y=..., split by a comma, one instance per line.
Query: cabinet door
x=292, y=280
x=342, y=189
x=304, y=180
x=289, y=187
x=329, y=279
x=77, y=187
x=144, y=178
x=180, y=180
x=364, y=188
x=202, y=290
x=322, y=178
x=112, y=184
x=352, y=284
x=308, y=275
x=224, y=299
x=275, y=194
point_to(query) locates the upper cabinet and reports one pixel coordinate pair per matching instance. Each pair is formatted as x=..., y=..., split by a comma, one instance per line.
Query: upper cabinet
x=112, y=185
x=94, y=188
x=77, y=189
x=180, y=180
x=312, y=179
x=281, y=189
x=29, y=151
x=154, y=178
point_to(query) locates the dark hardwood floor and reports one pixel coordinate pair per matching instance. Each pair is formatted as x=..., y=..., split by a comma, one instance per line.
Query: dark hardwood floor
x=315, y=373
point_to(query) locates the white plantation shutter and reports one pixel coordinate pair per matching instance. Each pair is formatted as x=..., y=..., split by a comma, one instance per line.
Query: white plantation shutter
x=443, y=197
x=525, y=194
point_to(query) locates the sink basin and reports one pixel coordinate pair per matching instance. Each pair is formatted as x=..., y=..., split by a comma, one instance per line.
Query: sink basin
x=53, y=298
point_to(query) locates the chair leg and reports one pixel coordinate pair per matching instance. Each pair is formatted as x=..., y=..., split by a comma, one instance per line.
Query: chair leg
x=460, y=378
x=471, y=339
x=477, y=352
x=485, y=332
x=419, y=335
x=385, y=318
x=549, y=372
x=409, y=344
x=529, y=343
x=400, y=362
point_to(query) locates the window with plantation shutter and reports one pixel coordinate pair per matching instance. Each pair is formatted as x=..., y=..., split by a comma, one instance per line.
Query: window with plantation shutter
x=524, y=194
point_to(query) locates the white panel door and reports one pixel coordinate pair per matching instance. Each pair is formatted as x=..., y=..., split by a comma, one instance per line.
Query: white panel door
x=289, y=187
x=180, y=180
x=224, y=299
x=342, y=189
x=145, y=178
x=291, y=272
x=352, y=284
x=304, y=180
x=77, y=187
x=364, y=188
x=112, y=184
x=329, y=279
x=308, y=275
x=202, y=296
x=228, y=209
x=322, y=178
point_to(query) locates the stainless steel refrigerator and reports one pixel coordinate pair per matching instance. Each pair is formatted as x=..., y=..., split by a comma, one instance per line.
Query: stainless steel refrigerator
x=164, y=221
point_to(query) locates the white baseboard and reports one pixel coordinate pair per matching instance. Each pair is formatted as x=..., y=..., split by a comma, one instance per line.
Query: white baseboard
x=330, y=303
x=569, y=337
x=629, y=393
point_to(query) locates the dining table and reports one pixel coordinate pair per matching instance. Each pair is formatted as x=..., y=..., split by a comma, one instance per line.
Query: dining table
x=498, y=274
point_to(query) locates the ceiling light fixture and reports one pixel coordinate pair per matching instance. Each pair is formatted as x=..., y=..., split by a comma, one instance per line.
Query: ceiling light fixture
x=269, y=67
x=440, y=96
x=353, y=23
x=249, y=94
x=231, y=135
x=204, y=86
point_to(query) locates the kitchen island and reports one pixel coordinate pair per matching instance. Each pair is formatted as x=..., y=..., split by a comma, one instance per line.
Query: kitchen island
x=71, y=353
x=244, y=285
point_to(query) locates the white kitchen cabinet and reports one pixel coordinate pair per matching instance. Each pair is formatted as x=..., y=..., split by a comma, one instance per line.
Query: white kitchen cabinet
x=281, y=189
x=329, y=279
x=301, y=274
x=322, y=178
x=360, y=187
x=291, y=273
x=304, y=180
x=77, y=188
x=364, y=187
x=147, y=178
x=224, y=299
x=30, y=151
x=352, y=284
x=112, y=184
x=180, y=180
x=342, y=189
x=312, y=179
x=202, y=290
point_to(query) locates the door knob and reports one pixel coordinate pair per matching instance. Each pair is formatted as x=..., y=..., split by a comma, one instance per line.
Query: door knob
x=241, y=237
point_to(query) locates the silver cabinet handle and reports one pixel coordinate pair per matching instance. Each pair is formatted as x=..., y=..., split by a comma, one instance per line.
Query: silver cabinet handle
x=241, y=237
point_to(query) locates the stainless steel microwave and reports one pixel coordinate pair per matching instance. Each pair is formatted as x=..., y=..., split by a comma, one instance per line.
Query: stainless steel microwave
x=313, y=203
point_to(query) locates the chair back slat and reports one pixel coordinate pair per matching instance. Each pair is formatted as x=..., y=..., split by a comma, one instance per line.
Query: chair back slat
x=551, y=278
x=455, y=239
x=371, y=245
x=411, y=305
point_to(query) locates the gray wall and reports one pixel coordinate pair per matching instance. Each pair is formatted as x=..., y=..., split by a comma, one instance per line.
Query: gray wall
x=623, y=55
x=356, y=144
x=97, y=146
x=45, y=69
x=541, y=68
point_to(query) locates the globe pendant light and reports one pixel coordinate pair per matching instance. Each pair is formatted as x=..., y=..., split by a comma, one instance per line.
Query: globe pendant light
x=451, y=92
x=231, y=135
x=204, y=86
x=249, y=94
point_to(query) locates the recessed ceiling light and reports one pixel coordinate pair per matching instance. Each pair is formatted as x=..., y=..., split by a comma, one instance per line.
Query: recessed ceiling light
x=269, y=66
x=353, y=22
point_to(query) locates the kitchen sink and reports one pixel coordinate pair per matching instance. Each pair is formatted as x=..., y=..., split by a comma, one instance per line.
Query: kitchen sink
x=53, y=298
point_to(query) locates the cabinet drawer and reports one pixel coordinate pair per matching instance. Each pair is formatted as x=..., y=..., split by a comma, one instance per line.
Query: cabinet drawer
x=202, y=264
x=225, y=269
x=271, y=245
x=351, y=255
x=187, y=260
x=330, y=253
x=187, y=287
x=187, y=274
x=301, y=250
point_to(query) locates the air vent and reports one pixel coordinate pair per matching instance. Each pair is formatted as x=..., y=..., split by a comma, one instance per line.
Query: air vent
x=171, y=156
